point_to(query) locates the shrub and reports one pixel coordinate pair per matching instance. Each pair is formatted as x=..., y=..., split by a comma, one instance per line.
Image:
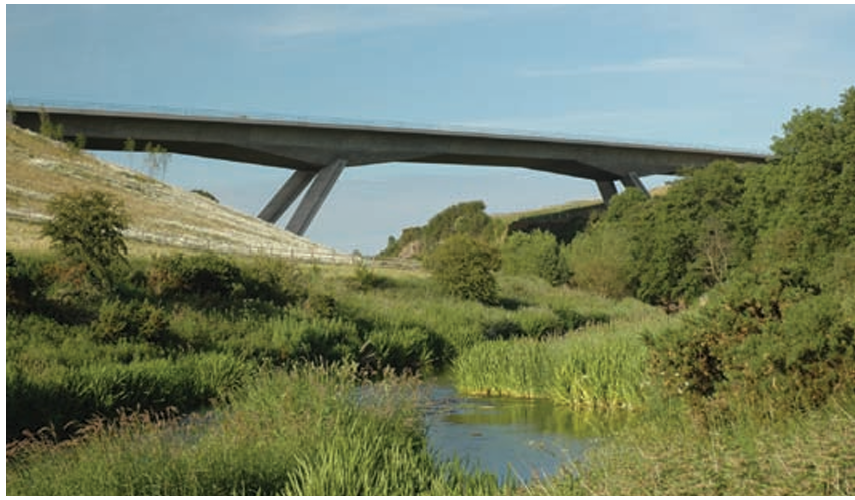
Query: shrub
x=275, y=280
x=205, y=275
x=601, y=261
x=22, y=294
x=533, y=254
x=321, y=305
x=132, y=321
x=86, y=228
x=464, y=267
x=365, y=279
x=766, y=341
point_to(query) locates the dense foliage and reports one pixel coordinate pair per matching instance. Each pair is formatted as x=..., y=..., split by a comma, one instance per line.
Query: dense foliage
x=86, y=228
x=464, y=267
x=467, y=218
x=774, y=244
x=534, y=254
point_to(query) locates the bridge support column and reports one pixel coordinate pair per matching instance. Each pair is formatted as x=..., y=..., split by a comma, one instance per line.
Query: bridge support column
x=315, y=197
x=607, y=190
x=632, y=180
x=286, y=195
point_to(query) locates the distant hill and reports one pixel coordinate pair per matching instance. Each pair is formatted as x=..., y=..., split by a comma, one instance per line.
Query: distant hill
x=162, y=215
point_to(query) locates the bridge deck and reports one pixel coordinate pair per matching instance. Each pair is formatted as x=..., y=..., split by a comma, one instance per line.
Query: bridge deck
x=318, y=151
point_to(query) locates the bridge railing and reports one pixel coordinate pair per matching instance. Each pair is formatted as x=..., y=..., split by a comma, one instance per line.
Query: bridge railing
x=308, y=119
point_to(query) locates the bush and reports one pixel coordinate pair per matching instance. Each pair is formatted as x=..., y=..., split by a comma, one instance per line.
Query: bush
x=765, y=341
x=274, y=280
x=463, y=266
x=600, y=261
x=22, y=293
x=133, y=321
x=365, y=279
x=533, y=254
x=321, y=305
x=86, y=228
x=207, y=276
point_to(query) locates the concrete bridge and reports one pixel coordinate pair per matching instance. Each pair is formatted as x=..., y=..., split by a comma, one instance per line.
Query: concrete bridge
x=318, y=152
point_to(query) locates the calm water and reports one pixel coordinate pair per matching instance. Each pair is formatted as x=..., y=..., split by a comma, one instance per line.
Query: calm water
x=523, y=438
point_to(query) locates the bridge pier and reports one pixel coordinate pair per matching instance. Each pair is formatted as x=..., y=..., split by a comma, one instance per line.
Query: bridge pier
x=282, y=200
x=315, y=197
x=607, y=190
x=632, y=180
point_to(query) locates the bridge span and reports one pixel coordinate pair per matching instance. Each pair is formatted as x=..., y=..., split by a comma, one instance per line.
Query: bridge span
x=318, y=152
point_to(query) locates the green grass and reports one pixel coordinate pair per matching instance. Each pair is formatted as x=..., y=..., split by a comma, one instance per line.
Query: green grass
x=601, y=366
x=297, y=432
x=668, y=453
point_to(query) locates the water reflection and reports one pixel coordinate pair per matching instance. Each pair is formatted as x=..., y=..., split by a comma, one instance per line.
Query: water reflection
x=524, y=438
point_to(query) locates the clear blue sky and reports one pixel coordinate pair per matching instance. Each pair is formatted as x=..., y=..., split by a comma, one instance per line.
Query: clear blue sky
x=725, y=76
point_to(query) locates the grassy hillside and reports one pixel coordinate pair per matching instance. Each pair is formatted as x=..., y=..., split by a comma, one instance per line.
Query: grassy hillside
x=38, y=168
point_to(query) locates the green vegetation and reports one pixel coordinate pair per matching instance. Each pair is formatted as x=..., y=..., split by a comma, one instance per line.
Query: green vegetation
x=49, y=129
x=601, y=367
x=466, y=218
x=743, y=383
x=87, y=230
x=301, y=432
x=464, y=266
x=665, y=453
x=156, y=159
x=534, y=254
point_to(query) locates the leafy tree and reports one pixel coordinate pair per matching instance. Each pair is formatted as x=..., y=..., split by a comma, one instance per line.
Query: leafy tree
x=534, y=254
x=87, y=228
x=464, y=267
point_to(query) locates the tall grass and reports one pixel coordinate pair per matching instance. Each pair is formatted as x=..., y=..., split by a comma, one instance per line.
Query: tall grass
x=669, y=454
x=603, y=366
x=301, y=432
x=59, y=396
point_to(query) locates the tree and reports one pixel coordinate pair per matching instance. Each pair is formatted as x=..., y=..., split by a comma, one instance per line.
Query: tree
x=534, y=254
x=464, y=267
x=157, y=158
x=86, y=228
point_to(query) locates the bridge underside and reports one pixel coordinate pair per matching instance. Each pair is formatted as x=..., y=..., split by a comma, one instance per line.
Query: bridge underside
x=318, y=152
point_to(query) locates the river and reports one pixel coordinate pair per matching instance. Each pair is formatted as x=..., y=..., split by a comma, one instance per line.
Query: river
x=518, y=437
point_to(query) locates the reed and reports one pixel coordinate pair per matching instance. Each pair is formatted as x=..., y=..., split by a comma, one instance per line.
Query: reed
x=601, y=366
x=296, y=432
